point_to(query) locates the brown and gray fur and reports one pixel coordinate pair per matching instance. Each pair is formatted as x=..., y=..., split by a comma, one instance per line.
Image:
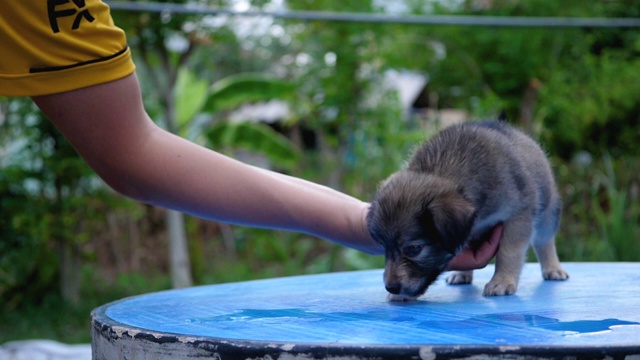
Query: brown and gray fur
x=455, y=189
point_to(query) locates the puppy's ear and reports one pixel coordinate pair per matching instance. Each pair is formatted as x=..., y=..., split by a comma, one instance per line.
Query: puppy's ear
x=452, y=217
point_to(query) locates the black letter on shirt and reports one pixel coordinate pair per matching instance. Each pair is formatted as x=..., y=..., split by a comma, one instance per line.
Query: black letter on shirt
x=55, y=14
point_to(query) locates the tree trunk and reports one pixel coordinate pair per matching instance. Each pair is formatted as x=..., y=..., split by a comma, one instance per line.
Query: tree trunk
x=70, y=272
x=528, y=105
x=116, y=242
x=134, y=245
x=179, y=264
x=68, y=251
x=229, y=241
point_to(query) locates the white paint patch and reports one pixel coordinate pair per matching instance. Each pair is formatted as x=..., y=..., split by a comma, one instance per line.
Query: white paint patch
x=119, y=330
x=508, y=348
x=156, y=334
x=426, y=353
x=186, y=339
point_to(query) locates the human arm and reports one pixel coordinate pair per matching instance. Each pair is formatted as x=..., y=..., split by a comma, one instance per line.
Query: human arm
x=109, y=127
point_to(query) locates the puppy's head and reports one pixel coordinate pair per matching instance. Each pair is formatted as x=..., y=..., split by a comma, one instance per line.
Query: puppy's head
x=423, y=222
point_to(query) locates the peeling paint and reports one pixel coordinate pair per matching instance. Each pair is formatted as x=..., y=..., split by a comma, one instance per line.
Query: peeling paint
x=508, y=348
x=287, y=347
x=186, y=339
x=120, y=331
x=426, y=353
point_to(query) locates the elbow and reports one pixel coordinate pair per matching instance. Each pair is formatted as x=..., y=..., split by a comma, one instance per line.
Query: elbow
x=124, y=182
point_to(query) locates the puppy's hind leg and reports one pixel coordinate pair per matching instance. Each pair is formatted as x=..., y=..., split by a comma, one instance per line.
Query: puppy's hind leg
x=549, y=262
x=460, y=277
x=511, y=255
x=545, y=246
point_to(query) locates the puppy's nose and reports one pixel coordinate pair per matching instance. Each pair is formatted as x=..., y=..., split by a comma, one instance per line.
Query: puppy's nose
x=393, y=288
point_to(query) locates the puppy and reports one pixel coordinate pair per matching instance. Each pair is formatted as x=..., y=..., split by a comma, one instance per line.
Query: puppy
x=455, y=189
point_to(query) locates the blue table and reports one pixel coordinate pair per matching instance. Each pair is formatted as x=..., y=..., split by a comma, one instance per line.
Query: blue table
x=595, y=313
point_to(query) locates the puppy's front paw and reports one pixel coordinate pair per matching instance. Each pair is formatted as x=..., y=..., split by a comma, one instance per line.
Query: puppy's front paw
x=555, y=273
x=499, y=288
x=460, y=278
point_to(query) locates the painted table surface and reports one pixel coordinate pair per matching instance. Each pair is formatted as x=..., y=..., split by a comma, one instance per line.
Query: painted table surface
x=598, y=305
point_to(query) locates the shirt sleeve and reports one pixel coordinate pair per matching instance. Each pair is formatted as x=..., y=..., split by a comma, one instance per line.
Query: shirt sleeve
x=56, y=46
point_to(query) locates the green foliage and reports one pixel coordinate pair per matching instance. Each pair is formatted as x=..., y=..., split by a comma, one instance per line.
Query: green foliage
x=26, y=267
x=601, y=216
x=52, y=317
x=594, y=107
x=579, y=85
x=45, y=191
x=235, y=90
x=618, y=216
x=194, y=97
x=190, y=94
x=254, y=137
x=381, y=144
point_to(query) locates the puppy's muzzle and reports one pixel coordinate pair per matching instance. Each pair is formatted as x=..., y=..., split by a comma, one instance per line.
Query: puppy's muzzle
x=401, y=285
x=396, y=293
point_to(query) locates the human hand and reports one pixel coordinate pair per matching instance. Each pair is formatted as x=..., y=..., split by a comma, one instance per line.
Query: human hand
x=469, y=259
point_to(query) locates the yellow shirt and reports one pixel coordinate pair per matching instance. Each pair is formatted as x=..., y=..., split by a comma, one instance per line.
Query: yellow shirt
x=52, y=46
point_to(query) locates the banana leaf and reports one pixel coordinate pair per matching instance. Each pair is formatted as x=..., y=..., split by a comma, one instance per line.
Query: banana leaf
x=235, y=90
x=190, y=95
x=253, y=137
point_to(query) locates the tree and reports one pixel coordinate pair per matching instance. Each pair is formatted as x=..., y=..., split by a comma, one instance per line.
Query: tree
x=166, y=46
x=45, y=188
x=590, y=102
x=572, y=87
x=334, y=62
x=160, y=49
x=201, y=114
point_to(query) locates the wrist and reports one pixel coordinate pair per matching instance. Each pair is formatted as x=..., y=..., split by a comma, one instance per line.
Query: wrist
x=364, y=241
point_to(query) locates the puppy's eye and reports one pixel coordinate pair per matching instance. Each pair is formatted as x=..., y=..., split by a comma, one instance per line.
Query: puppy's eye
x=412, y=250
